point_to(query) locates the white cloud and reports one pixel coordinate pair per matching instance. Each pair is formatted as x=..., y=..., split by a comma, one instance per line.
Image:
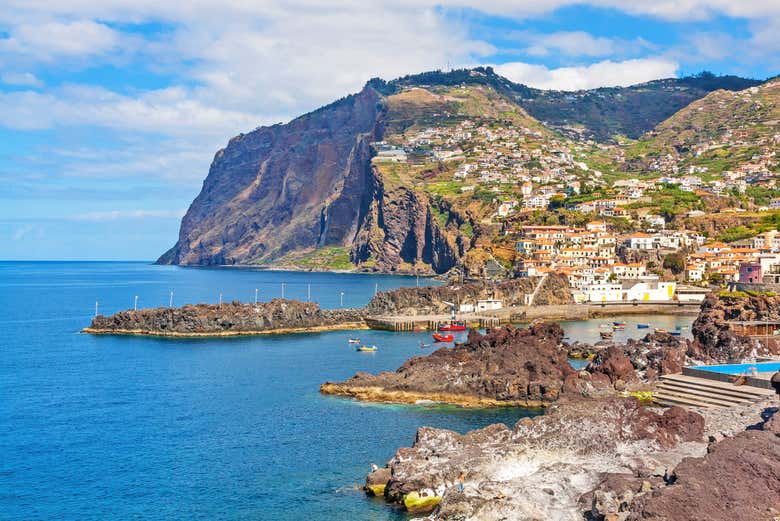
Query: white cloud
x=113, y=215
x=602, y=74
x=173, y=111
x=52, y=40
x=572, y=43
x=22, y=79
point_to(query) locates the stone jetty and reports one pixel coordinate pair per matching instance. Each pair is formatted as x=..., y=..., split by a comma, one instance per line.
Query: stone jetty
x=228, y=319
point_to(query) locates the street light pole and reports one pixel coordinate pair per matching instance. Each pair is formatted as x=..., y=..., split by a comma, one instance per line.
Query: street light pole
x=135, y=303
x=341, y=300
x=170, y=302
x=96, y=308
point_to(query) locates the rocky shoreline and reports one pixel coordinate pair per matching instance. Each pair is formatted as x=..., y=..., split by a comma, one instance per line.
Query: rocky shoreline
x=279, y=316
x=606, y=459
x=593, y=455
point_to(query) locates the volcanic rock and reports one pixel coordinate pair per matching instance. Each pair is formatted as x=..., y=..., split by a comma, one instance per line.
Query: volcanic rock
x=715, y=337
x=433, y=299
x=507, y=366
x=540, y=468
x=235, y=318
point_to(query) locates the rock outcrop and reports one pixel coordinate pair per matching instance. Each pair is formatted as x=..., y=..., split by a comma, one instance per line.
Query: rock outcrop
x=717, y=339
x=541, y=467
x=432, y=299
x=737, y=480
x=236, y=318
x=507, y=366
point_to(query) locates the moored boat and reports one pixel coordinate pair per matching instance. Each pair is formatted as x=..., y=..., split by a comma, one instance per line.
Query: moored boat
x=443, y=338
x=659, y=330
x=642, y=326
x=453, y=326
x=366, y=349
x=354, y=341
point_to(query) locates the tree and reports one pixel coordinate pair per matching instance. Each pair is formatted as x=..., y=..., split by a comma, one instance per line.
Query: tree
x=675, y=262
x=557, y=201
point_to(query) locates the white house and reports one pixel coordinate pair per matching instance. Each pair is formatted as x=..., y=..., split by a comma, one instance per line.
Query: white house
x=489, y=305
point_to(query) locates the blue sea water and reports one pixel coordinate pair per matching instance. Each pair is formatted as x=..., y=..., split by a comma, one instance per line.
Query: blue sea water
x=100, y=427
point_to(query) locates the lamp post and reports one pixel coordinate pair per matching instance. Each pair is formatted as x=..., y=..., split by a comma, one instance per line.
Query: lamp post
x=96, y=308
x=341, y=300
x=135, y=303
x=170, y=302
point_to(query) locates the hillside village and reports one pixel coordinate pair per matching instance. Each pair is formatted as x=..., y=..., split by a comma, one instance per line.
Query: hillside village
x=608, y=215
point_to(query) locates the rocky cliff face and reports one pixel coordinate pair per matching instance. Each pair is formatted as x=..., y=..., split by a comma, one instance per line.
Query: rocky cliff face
x=284, y=187
x=308, y=185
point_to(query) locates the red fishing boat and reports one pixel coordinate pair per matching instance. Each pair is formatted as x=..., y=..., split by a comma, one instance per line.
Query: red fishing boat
x=453, y=326
x=443, y=338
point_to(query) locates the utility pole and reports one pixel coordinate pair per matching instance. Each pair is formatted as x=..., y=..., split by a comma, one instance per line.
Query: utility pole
x=170, y=302
x=135, y=303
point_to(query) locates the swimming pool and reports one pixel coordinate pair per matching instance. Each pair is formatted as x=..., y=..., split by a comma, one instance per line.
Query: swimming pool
x=763, y=367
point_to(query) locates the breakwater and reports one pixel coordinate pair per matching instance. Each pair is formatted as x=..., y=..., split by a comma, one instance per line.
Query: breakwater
x=281, y=316
x=278, y=316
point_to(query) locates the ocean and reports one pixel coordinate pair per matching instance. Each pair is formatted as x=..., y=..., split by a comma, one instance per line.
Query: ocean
x=101, y=427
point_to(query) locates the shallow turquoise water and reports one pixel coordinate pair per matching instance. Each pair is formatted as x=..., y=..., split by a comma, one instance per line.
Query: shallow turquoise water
x=98, y=427
x=761, y=367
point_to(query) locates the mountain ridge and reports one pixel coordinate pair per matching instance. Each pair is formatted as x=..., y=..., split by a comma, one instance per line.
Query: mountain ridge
x=314, y=190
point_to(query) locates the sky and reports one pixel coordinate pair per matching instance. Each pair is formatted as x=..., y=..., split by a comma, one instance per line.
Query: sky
x=111, y=111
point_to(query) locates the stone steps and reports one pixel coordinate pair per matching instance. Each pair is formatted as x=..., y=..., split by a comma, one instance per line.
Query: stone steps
x=691, y=391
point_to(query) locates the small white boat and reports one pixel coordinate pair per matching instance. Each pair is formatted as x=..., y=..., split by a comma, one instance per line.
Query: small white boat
x=354, y=341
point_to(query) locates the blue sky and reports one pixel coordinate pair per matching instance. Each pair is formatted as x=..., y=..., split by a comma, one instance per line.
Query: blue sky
x=110, y=113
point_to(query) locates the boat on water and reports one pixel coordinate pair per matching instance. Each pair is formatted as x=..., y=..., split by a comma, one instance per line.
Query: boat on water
x=606, y=335
x=442, y=338
x=643, y=326
x=659, y=330
x=455, y=325
x=366, y=349
x=675, y=333
x=353, y=341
